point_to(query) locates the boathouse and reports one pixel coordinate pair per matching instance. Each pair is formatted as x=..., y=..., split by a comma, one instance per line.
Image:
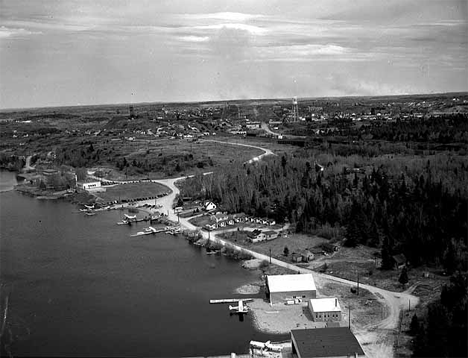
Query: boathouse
x=284, y=288
x=90, y=185
x=336, y=342
x=325, y=309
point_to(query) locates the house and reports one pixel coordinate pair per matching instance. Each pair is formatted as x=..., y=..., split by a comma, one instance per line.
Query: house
x=211, y=226
x=222, y=223
x=295, y=257
x=271, y=222
x=219, y=217
x=239, y=218
x=336, y=342
x=270, y=235
x=209, y=205
x=325, y=309
x=399, y=261
x=283, y=288
x=256, y=236
x=231, y=221
x=307, y=256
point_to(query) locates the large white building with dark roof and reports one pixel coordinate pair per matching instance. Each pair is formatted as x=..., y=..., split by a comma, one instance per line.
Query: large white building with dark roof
x=283, y=288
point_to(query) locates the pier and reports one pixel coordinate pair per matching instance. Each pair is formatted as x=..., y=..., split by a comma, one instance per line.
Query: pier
x=231, y=300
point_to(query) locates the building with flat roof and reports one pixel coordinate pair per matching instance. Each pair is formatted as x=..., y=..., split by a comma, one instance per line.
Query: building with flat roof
x=335, y=342
x=90, y=185
x=283, y=288
x=325, y=309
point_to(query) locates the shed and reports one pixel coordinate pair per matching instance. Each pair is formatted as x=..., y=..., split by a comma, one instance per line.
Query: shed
x=399, y=261
x=336, y=342
x=295, y=257
x=282, y=288
x=325, y=309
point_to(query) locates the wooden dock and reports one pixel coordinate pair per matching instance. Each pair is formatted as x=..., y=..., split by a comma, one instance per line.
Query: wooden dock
x=231, y=300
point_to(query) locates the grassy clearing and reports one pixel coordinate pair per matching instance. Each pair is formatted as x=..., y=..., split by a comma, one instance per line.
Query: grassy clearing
x=133, y=191
x=294, y=242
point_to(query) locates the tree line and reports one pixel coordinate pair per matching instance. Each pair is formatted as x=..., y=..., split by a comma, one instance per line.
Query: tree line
x=416, y=206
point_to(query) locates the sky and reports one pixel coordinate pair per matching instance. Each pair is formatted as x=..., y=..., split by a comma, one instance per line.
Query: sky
x=56, y=53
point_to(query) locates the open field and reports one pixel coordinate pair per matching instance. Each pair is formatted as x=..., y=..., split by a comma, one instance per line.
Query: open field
x=126, y=192
x=294, y=243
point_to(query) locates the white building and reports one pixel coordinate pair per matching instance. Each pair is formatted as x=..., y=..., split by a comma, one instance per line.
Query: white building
x=209, y=205
x=283, y=288
x=90, y=185
x=325, y=309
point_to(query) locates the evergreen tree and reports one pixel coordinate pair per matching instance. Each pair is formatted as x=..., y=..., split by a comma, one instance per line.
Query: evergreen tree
x=403, y=279
x=414, y=325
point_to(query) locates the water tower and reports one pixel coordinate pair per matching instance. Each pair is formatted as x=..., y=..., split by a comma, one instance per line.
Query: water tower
x=295, y=110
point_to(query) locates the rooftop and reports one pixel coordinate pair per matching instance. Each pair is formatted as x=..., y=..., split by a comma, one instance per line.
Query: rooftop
x=299, y=282
x=329, y=304
x=326, y=342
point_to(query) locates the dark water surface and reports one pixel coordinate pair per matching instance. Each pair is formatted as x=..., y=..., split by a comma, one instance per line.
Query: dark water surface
x=81, y=286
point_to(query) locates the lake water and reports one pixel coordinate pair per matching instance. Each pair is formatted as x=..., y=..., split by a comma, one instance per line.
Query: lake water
x=81, y=286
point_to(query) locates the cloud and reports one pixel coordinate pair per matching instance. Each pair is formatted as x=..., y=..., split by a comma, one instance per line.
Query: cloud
x=254, y=30
x=194, y=38
x=6, y=32
x=223, y=16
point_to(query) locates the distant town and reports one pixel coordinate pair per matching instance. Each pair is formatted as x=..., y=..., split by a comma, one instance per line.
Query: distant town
x=352, y=211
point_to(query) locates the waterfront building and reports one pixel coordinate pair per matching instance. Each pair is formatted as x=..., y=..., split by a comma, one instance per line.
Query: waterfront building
x=284, y=288
x=336, y=342
x=325, y=309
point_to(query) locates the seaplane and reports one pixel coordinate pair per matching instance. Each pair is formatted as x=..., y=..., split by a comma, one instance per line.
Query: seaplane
x=89, y=207
x=150, y=230
x=241, y=308
x=130, y=217
x=267, y=346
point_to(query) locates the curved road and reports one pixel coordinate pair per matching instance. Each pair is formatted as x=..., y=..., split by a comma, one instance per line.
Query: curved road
x=266, y=151
x=374, y=337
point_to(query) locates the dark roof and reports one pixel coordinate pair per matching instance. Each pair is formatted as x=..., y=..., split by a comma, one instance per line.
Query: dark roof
x=400, y=259
x=326, y=342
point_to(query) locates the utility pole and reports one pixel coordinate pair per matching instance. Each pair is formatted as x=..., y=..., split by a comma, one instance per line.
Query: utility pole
x=270, y=256
x=358, y=283
x=349, y=317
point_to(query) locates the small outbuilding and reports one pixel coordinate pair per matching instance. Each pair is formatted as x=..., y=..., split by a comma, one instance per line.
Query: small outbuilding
x=325, y=309
x=336, y=342
x=284, y=288
x=399, y=261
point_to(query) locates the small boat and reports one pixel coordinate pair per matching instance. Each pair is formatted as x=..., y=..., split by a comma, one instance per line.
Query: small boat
x=90, y=214
x=124, y=222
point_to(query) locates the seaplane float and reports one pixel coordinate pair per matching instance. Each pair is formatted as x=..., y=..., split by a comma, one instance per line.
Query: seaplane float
x=241, y=308
x=148, y=231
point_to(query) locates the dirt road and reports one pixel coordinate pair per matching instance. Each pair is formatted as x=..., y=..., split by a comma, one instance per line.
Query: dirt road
x=376, y=339
x=266, y=151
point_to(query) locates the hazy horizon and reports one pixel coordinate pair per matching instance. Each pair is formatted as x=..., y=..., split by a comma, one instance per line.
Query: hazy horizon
x=69, y=53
